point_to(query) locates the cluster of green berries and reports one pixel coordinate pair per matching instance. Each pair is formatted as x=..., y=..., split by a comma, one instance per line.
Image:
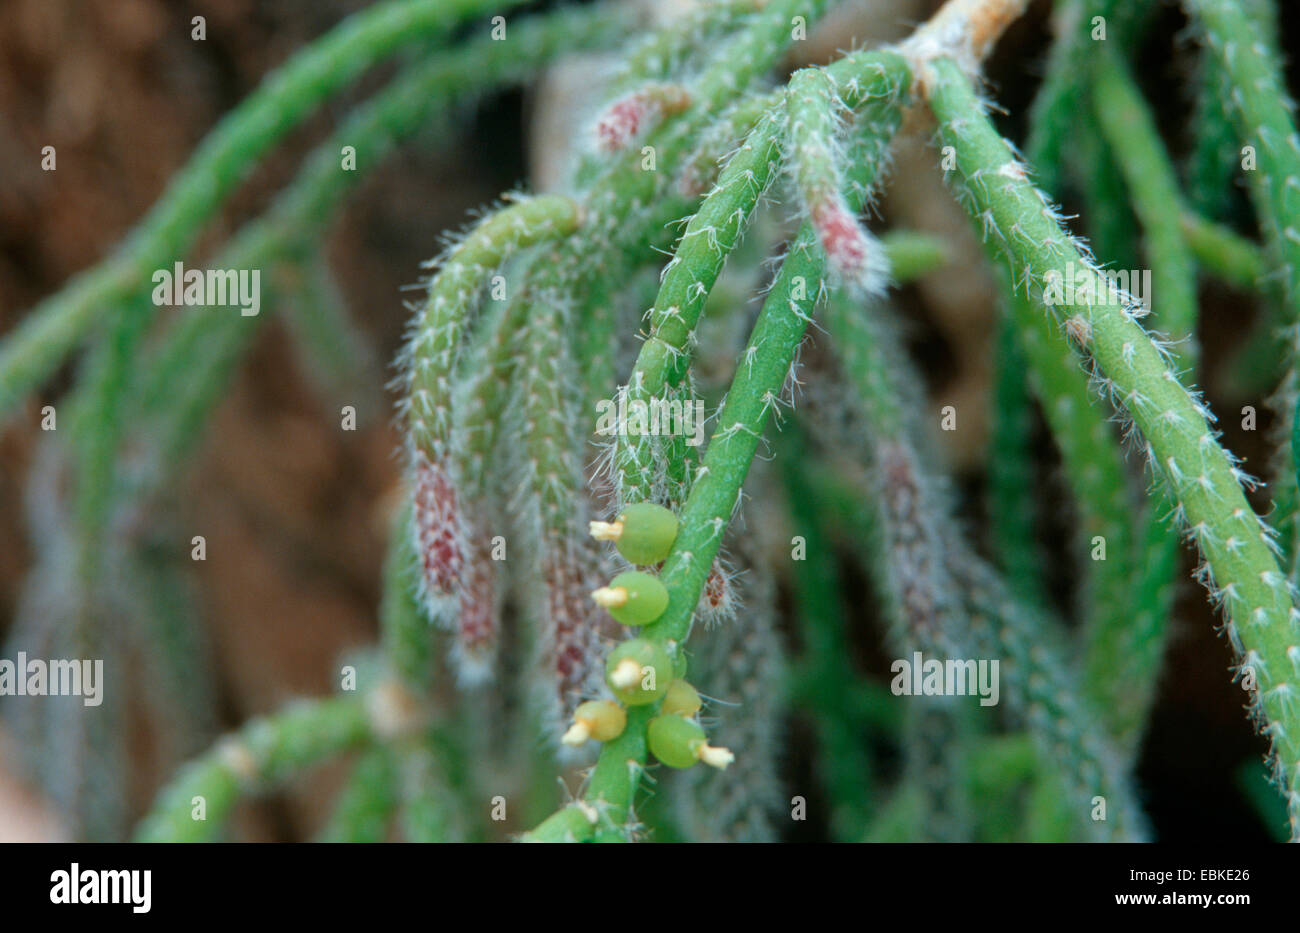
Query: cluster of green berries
x=644, y=534
x=676, y=737
x=641, y=671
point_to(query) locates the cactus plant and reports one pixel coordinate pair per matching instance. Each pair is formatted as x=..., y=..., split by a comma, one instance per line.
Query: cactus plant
x=564, y=581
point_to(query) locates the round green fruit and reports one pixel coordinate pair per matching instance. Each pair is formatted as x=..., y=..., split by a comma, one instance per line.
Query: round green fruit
x=639, y=671
x=602, y=720
x=634, y=597
x=681, y=699
x=676, y=741
x=648, y=534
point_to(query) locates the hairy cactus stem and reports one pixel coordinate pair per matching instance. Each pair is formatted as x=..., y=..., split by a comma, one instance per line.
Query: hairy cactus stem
x=430, y=357
x=628, y=118
x=1240, y=569
x=55, y=326
x=1122, y=660
x=1264, y=116
x=964, y=31
x=710, y=235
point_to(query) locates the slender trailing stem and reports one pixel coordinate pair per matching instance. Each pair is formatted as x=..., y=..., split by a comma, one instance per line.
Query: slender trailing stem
x=1215, y=161
x=710, y=235
x=1240, y=569
x=1012, y=513
x=909, y=563
x=1264, y=116
x=427, y=807
x=562, y=560
x=1052, y=116
x=714, y=497
x=912, y=255
x=437, y=330
x=404, y=628
x=744, y=666
x=194, y=807
x=1123, y=660
x=54, y=327
x=449, y=527
x=1090, y=453
x=1220, y=251
x=711, y=503
x=332, y=350
x=179, y=370
x=1041, y=687
x=940, y=611
x=825, y=678
x=367, y=802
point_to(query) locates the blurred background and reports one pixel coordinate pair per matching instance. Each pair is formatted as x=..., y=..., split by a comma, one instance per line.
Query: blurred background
x=295, y=511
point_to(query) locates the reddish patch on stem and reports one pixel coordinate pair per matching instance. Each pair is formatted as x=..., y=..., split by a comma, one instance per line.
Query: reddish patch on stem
x=437, y=527
x=715, y=588
x=478, y=624
x=574, y=621
x=841, y=237
x=622, y=122
x=718, y=598
x=629, y=116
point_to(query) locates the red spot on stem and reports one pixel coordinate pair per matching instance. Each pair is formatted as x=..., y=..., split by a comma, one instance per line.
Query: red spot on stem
x=841, y=237
x=437, y=527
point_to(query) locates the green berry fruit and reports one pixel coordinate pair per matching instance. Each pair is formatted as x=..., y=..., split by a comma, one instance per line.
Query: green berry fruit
x=676, y=741
x=648, y=534
x=602, y=720
x=681, y=700
x=633, y=598
x=639, y=671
